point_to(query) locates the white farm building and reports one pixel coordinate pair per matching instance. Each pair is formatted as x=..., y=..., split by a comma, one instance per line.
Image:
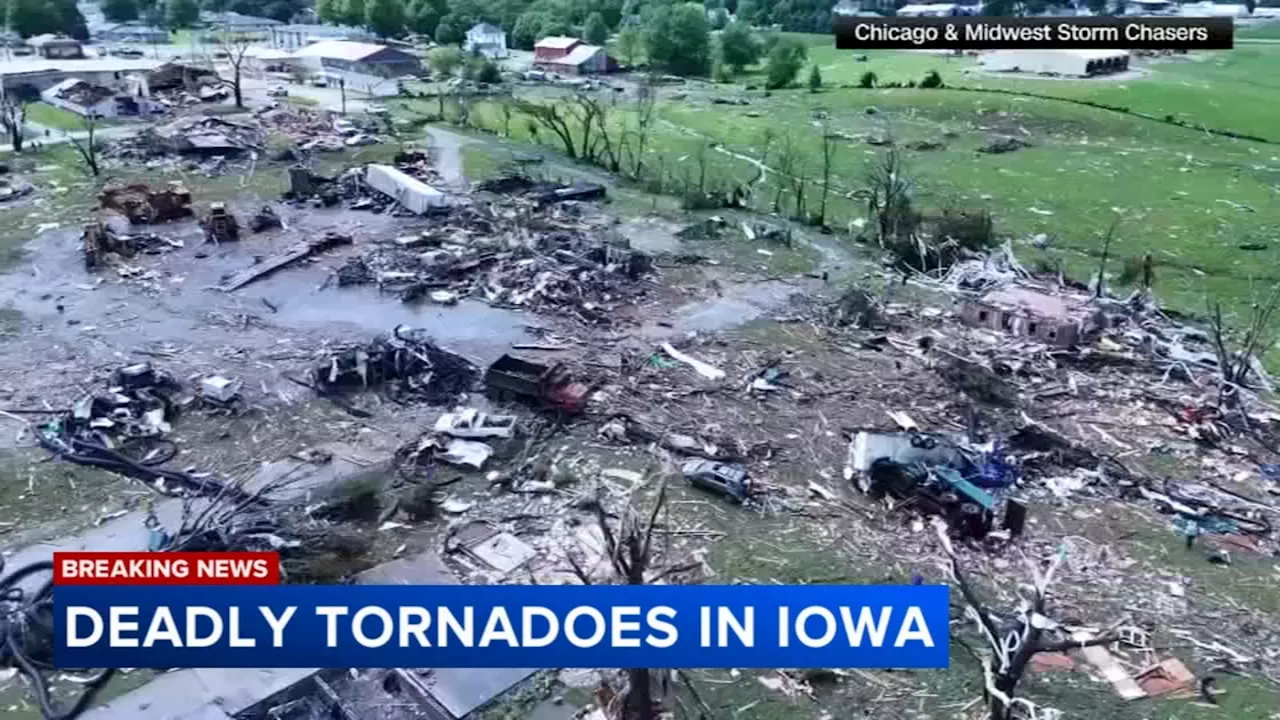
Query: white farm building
x=1068, y=63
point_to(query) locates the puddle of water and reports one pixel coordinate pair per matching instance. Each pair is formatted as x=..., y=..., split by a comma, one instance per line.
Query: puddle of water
x=737, y=305
x=651, y=236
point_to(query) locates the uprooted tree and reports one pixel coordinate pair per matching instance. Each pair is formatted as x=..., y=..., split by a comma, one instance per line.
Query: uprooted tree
x=1012, y=641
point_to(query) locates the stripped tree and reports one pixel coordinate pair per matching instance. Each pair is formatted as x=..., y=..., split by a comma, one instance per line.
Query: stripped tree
x=1013, y=641
x=1235, y=366
x=88, y=146
x=629, y=544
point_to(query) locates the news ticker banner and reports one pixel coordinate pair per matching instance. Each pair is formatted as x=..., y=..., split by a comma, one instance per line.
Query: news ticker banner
x=211, y=610
x=980, y=32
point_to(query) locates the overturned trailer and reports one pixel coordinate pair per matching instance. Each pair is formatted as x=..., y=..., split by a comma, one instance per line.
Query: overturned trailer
x=412, y=194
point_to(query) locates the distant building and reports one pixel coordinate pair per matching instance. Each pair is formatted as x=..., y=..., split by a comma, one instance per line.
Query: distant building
x=553, y=47
x=1067, y=63
x=54, y=47
x=260, y=60
x=293, y=37
x=236, y=24
x=487, y=40
x=132, y=32
x=364, y=67
x=579, y=60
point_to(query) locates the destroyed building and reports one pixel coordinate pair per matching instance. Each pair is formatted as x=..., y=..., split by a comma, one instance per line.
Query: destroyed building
x=1061, y=318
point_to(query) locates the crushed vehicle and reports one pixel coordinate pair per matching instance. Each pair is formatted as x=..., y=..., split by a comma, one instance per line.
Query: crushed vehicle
x=471, y=424
x=550, y=387
x=938, y=474
x=732, y=481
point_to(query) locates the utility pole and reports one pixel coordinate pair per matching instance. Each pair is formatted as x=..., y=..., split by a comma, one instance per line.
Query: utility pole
x=342, y=86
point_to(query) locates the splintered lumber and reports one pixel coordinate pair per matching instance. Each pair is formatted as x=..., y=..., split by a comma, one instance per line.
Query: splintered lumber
x=288, y=257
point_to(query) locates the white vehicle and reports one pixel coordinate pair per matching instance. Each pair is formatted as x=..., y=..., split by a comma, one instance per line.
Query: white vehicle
x=469, y=423
x=278, y=91
x=344, y=127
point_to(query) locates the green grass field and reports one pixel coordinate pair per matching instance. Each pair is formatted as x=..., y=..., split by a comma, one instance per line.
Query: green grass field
x=1189, y=198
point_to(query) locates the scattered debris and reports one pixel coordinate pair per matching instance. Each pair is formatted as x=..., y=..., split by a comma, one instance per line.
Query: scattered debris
x=144, y=206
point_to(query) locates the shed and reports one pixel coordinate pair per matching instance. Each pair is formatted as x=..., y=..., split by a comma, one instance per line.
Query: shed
x=1070, y=63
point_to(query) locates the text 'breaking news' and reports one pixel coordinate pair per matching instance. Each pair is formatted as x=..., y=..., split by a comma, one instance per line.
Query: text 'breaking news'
x=1019, y=33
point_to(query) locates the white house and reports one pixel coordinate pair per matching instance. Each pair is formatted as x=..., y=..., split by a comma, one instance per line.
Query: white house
x=1068, y=63
x=486, y=39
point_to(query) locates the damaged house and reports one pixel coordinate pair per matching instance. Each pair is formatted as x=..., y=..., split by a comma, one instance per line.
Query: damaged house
x=97, y=101
x=1061, y=318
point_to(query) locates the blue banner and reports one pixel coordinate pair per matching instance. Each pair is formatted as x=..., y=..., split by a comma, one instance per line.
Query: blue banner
x=500, y=626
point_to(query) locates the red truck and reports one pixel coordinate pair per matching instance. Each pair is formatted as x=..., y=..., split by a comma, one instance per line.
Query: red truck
x=546, y=387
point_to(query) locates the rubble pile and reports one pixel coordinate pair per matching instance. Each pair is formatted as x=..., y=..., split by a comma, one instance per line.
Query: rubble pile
x=143, y=206
x=519, y=256
x=197, y=136
x=104, y=244
x=407, y=365
x=318, y=131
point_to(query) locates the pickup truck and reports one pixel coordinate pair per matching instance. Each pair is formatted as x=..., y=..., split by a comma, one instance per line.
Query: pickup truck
x=551, y=387
x=471, y=424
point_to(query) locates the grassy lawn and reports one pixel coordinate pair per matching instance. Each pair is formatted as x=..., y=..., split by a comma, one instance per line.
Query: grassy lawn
x=54, y=117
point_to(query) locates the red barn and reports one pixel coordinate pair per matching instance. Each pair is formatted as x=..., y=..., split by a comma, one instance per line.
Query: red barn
x=553, y=48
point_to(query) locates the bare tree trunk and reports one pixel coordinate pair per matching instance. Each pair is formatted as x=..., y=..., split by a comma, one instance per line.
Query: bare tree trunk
x=1102, y=264
x=88, y=149
x=828, y=156
x=14, y=117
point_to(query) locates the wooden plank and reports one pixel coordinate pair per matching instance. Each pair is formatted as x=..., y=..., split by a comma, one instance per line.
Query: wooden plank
x=1112, y=672
x=276, y=262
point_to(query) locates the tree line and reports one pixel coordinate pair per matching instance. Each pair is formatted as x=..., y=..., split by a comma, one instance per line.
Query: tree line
x=526, y=21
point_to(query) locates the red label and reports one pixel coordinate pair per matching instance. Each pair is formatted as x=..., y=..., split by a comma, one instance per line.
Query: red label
x=166, y=568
